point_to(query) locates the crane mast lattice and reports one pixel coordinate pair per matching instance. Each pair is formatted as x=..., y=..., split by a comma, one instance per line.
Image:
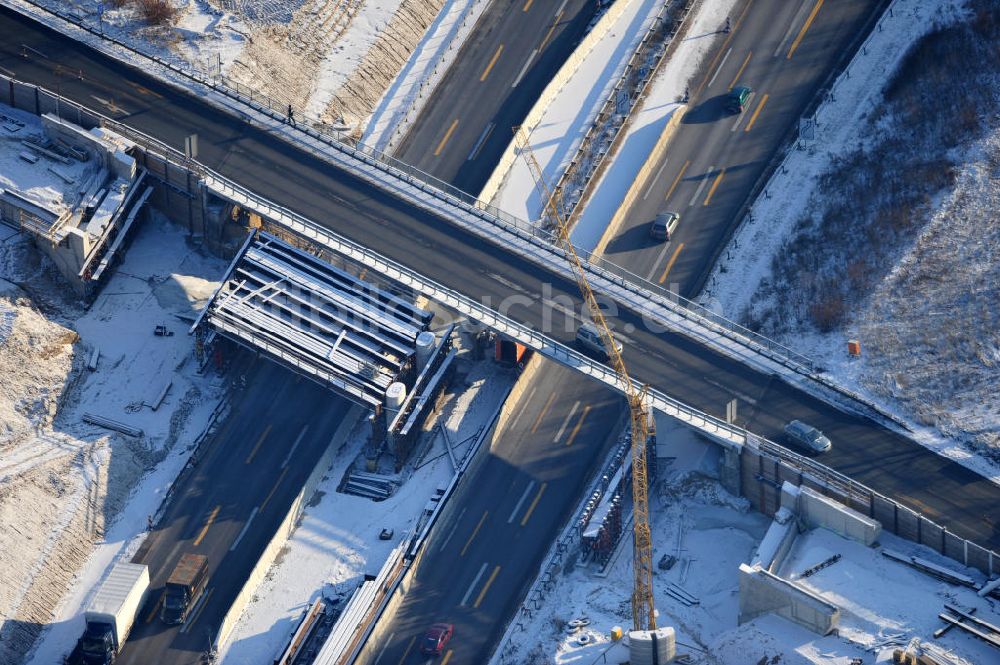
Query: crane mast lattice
x=643, y=615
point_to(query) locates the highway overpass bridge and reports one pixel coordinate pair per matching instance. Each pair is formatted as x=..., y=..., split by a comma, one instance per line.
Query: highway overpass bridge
x=401, y=219
x=304, y=181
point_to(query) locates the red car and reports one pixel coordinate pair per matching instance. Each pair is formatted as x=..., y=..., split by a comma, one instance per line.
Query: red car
x=436, y=638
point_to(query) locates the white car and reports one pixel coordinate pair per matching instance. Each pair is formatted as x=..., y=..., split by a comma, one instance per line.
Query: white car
x=589, y=339
x=809, y=437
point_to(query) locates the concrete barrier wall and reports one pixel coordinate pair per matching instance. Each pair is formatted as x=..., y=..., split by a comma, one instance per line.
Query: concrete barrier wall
x=820, y=511
x=641, y=180
x=762, y=593
x=761, y=476
x=286, y=528
x=557, y=83
x=523, y=382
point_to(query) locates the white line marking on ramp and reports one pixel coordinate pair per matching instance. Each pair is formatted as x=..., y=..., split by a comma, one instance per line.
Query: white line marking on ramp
x=704, y=179
x=719, y=68
x=295, y=445
x=527, y=490
x=524, y=69
x=566, y=422
x=246, y=526
x=472, y=586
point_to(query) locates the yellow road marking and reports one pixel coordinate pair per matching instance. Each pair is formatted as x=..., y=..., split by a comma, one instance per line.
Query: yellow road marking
x=677, y=180
x=208, y=523
x=722, y=49
x=542, y=413
x=756, y=112
x=670, y=263
x=156, y=607
x=253, y=453
x=447, y=656
x=474, y=532
x=493, y=576
x=447, y=135
x=711, y=190
x=527, y=5
x=805, y=27
x=407, y=652
x=274, y=489
x=579, y=424
x=531, y=508
x=740, y=72
x=201, y=608
x=493, y=61
x=548, y=35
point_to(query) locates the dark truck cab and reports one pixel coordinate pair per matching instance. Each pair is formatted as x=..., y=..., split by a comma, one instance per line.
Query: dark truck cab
x=184, y=586
x=112, y=613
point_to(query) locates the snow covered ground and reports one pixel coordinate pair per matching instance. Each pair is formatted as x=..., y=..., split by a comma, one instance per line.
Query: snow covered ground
x=711, y=533
x=337, y=541
x=72, y=495
x=930, y=344
x=333, y=60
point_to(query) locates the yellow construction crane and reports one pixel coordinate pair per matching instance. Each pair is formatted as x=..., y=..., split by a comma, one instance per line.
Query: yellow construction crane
x=643, y=616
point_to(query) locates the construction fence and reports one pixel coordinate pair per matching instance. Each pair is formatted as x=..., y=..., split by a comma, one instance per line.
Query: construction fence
x=765, y=466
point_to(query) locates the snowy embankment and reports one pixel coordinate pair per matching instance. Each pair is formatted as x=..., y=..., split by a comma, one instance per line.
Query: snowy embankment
x=411, y=89
x=338, y=542
x=74, y=495
x=332, y=60
x=564, y=121
x=889, y=211
x=711, y=533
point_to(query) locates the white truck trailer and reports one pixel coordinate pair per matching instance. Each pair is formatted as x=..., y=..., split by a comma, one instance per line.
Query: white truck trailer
x=112, y=612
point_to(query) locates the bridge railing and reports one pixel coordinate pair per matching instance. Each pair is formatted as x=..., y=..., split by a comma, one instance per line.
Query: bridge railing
x=338, y=139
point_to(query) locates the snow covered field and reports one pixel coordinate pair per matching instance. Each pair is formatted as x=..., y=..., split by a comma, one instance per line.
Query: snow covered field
x=928, y=329
x=711, y=533
x=72, y=495
x=337, y=541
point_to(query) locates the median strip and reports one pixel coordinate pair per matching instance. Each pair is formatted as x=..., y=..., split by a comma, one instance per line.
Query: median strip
x=493, y=576
x=534, y=504
x=447, y=135
x=474, y=532
x=493, y=61
x=208, y=523
x=260, y=440
x=805, y=27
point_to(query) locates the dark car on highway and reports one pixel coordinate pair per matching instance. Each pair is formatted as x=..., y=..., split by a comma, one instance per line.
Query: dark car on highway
x=737, y=99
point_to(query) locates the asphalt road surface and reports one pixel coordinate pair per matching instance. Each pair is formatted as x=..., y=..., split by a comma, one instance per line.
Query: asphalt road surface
x=716, y=156
x=485, y=551
x=229, y=506
x=946, y=492
x=514, y=51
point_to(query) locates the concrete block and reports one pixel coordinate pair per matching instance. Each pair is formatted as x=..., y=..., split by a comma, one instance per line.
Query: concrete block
x=729, y=470
x=762, y=592
x=643, y=644
x=790, y=496
x=817, y=510
x=777, y=542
